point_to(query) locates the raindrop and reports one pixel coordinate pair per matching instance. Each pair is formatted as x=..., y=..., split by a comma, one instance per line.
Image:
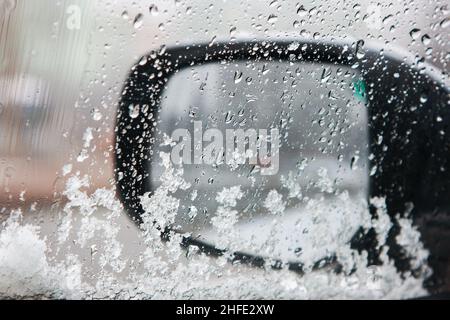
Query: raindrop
x=438, y=119
x=373, y=171
x=388, y=19
x=293, y=46
x=138, y=21
x=213, y=39
x=125, y=15
x=133, y=111
x=229, y=117
x=96, y=114
x=355, y=65
x=153, y=10
x=313, y=11
x=414, y=33
x=353, y=162
x=301, y=11
x=359, y=49
x=192, y=112
x=423, y=98
x=326, y=74
x=237, y=77
x=304, y=33
x=272, y=18
x=426, y=39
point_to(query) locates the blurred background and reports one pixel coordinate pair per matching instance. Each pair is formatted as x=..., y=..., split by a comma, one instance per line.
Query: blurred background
x=63, y=64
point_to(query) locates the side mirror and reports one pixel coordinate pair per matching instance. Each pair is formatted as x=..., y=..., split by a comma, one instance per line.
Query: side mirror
x=407, y=125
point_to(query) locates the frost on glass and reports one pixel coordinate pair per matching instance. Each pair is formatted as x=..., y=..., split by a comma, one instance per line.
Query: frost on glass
x=63, y=230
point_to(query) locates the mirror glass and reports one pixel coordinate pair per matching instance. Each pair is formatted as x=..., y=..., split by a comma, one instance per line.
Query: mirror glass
x=267, y=149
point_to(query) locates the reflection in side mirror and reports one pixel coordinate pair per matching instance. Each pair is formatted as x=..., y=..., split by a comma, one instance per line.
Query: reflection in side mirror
x=258, y=142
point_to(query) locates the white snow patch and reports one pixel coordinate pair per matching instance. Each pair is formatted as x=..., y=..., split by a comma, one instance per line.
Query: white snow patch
x=274, y=202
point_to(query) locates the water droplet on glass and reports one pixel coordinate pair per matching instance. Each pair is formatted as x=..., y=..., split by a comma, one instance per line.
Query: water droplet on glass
x=133, y=111
x=388, y=19
x=229, y=117
x=373, y=171
x=423, y=98
x=313, y=11
x=125, y=15
x=138, y=21
x=304, y=33
x=414, y=33
x=272, y=18
x=426, y=39
x=359, y=49
x=237, y=77
x=96, y=115
x=353, y=162
x=293, y=46
x=213, y=39
x=153, y=10
x=143, y=61
x=355, y=65
x=326, y=74
x=301, y=11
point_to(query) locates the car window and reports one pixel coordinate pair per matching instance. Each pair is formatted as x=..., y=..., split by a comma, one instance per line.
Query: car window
x=216, y=149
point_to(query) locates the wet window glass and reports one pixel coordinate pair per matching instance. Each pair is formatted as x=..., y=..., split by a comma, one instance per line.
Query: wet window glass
x=224, y=149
